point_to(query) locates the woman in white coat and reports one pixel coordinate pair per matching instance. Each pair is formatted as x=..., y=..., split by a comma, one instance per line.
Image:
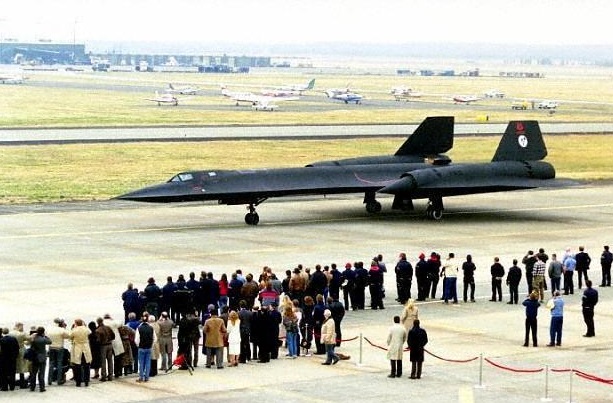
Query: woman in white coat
x=234, y=338
x=396, y=338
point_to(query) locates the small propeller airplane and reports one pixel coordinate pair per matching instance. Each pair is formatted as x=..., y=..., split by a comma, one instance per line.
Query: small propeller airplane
x=465, y=99
x=345, y=96
x=258, y=102
x=290, y=89
x=167, y=99
x=405, y=94
x=187, y=90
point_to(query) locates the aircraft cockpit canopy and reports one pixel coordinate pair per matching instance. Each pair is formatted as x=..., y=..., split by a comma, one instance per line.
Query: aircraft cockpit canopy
x=182, y=177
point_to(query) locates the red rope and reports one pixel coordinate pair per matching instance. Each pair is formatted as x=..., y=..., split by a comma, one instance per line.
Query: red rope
x=512, y=369
x=449, y=359
x=374, y=345
x=351, y=339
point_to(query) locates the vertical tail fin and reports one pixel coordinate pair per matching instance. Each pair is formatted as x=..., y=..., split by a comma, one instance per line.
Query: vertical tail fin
x=433, y=136
x=522, y=141
x=311, y=84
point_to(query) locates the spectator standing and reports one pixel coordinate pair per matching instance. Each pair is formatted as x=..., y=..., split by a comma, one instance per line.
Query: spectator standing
x=588, y=302
x=328, y=338
x=606, y=258
x=513, y=280
x=214, y=329
x=81, y=355
x=404, y=278
x=532, y=304
x=538, y=277
x=528, y=261
x=496, y=272
x=417, y=338
x=556, y=305
x=396, y=337
x=468, y=268
x=421, y=276
x=555, y=273
x=39, y=344
x=450, y=271
x=568, y=268
x=583, y=265
x=144, y=339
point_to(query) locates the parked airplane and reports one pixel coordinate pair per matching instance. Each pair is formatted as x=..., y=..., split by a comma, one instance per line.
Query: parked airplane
x=258, y=102
x=11, y=78
x=345, y=96
x=290, y=90
x=405, y=94
x=465, y=99
x=298, y=87
x=164, y=99
x=418, y=170
x=181, y=90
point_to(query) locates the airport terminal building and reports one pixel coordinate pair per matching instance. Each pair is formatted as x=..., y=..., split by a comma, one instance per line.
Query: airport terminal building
x=46, y=52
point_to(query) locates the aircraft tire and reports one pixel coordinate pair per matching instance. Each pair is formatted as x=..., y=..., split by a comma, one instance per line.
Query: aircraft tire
x=436, y=214
x=373, y=207
x=252, y=218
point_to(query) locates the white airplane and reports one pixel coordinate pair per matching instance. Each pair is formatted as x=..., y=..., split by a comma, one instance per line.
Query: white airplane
x=258, y=102
x=494, y=93
x=465, y=99
x=290, y=90
x=164, y=99
x=12, y=78
x=181, y=90
x=346, y=97
x=404, y=93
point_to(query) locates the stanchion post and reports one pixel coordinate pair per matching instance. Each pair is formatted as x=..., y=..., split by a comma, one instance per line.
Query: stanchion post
x=360, y=362
x=570, y=386
x=546, y=398
x=480, y=385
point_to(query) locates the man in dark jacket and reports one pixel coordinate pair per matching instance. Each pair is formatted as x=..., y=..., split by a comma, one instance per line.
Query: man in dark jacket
x=421, y=275
x=39, y=362
x=338, y=313
x=513, y=280
x=375, y=284
x=153, y=295
x=434, y=264
x=361, y=281
x=588, y=302
x=606, y=259
x=404, y=278
x=145, y=338
x=131, y=302
x=9, y=350
x=417, y=338
x=583, y=265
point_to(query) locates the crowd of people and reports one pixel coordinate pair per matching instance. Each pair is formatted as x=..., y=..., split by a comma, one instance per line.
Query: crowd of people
x=248, y=318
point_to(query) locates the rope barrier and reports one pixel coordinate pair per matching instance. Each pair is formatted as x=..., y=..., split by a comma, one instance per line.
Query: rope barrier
x=449, y=359
x=512, y=369
x=584, y=375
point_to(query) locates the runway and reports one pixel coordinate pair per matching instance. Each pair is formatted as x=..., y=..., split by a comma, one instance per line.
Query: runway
x=208, y=133
x=74, y=260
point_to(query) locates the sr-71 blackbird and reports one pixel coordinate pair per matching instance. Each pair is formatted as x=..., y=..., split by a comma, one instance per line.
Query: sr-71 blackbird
x=418, y=170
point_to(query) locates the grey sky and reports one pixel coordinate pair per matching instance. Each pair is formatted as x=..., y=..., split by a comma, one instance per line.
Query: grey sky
x=292, y=21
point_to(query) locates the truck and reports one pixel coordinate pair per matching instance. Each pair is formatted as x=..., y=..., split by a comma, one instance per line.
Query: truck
x=547, y=105
x=520, y=105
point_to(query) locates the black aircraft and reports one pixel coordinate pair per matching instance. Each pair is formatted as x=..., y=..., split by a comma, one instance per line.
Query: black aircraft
x=418, y=170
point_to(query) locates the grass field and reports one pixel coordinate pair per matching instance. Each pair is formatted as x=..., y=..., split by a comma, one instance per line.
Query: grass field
x=100, y=171
x=119, y=99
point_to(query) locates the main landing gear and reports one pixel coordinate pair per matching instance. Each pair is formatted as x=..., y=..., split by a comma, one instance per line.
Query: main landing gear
x=372, y=205
x=434, y=211
x=252, y=217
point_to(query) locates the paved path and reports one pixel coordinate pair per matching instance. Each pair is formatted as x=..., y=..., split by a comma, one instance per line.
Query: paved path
x=84, y=135
x=76, y=262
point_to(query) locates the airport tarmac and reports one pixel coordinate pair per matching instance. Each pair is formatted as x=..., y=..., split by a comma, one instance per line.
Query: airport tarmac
x=208, y=133
x=75, y=259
